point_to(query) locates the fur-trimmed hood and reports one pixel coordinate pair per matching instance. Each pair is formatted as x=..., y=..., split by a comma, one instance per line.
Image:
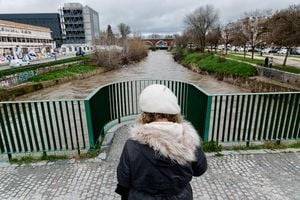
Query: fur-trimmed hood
x=177, y=142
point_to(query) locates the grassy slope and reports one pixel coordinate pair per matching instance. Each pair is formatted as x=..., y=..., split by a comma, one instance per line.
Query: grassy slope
x=36, y=66
x=60, y=73
x=213, y=63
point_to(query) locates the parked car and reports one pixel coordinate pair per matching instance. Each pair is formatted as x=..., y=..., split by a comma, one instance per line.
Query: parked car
x=295, y=51
x=18, y=63
x=282, y=51
x=80, y=53
x=269, y=50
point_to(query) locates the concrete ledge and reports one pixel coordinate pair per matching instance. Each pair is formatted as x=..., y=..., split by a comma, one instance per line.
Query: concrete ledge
x=254, y=151
x=109, y=131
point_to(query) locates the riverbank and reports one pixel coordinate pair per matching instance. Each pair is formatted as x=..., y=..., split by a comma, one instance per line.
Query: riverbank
x=56, y=74
x=230, y=71
x=46, y=82
x=255, y=83
x=157, y=65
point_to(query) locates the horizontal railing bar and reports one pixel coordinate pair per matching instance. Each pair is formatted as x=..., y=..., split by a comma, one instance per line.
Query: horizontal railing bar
x=108, y=84
x=43, y=151
x=38, y=101
x=258, y=93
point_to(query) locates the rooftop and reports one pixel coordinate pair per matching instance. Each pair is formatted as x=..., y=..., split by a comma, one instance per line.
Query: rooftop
x=23, y=26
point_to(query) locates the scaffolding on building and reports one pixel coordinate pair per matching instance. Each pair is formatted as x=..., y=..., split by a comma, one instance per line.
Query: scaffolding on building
x=72, y=24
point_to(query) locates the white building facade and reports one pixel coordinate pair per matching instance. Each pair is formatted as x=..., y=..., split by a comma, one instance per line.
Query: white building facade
x=17, y=39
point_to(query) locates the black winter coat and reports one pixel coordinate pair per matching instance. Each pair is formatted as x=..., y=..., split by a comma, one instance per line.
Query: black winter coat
x=144, y=174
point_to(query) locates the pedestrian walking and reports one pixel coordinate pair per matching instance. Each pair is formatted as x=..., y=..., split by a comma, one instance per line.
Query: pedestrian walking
x=163, y=151
x=266, y=62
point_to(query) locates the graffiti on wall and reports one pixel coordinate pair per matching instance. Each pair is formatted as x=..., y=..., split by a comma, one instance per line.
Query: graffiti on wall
x=24, y=76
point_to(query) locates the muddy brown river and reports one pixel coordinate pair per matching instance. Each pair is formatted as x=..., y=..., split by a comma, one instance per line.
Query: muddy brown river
x=158, y=65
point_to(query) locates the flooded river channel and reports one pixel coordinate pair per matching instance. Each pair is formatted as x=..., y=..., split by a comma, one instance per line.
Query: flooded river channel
x=158, y=65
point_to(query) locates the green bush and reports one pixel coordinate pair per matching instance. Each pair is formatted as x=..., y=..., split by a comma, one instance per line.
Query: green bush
x=212, y=146
x=136, y=50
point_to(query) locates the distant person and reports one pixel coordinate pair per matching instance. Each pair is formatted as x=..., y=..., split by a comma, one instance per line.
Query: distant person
x=271, y=62
x=163, y=152
x=9, y=58
x=266, y=62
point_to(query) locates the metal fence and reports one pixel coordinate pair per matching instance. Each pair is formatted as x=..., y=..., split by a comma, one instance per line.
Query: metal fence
x=120, y=99
x=42, y=126
x=222, y=118
x=255, y=117
x=61, y=125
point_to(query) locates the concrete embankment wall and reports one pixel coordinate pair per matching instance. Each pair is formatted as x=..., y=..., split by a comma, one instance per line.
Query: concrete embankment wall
x=277, y=75
x=256, y=84
x=12, y=93
x=17, y=78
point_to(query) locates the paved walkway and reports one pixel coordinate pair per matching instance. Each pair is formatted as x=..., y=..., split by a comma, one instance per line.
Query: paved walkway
x=234, y=176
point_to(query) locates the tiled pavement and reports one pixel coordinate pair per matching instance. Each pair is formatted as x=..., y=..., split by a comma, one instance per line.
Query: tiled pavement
x=233, y=176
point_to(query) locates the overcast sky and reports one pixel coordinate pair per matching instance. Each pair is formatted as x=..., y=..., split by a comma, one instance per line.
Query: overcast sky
x=148, y=16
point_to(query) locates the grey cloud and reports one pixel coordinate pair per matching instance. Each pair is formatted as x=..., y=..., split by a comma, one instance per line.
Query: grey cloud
x=148, y=16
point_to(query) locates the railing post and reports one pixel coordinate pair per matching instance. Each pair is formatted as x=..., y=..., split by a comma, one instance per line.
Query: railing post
x=207, y=118
x=89, y=123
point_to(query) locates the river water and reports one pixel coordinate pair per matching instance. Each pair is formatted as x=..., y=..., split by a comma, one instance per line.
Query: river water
x=158, y=65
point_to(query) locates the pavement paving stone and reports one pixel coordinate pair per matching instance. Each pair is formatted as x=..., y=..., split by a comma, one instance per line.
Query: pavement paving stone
x=232, y=176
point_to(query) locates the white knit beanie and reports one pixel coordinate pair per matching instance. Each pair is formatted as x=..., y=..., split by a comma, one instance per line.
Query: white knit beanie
x=159, y=99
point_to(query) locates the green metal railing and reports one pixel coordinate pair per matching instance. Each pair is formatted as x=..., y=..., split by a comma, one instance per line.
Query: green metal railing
x=61, y=125
x=120, y=99
x=255, y=117
x=222, y=118
x=42, y=126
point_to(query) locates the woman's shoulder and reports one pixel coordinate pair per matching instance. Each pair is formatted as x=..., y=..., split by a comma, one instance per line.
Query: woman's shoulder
x=131, y=144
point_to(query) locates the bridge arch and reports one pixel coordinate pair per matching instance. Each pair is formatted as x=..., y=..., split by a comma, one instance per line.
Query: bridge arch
x=149, y=44
x=161, y=44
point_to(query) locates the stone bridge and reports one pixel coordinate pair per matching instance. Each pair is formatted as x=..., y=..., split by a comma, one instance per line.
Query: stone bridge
x=159, y=43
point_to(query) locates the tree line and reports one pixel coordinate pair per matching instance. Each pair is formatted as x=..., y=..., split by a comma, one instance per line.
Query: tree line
x=254, y=29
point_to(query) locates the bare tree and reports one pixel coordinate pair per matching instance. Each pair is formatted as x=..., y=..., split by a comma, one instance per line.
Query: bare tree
x=109, y=35
x=200, y=22
x=184, y=39
x=254, y=27
x=124, y=30
x=285, y=28
x=227, y=35
x=214, y=37
x=239, y=37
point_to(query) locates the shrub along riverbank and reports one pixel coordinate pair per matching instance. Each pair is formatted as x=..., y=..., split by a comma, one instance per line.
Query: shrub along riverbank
x=214, y=63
